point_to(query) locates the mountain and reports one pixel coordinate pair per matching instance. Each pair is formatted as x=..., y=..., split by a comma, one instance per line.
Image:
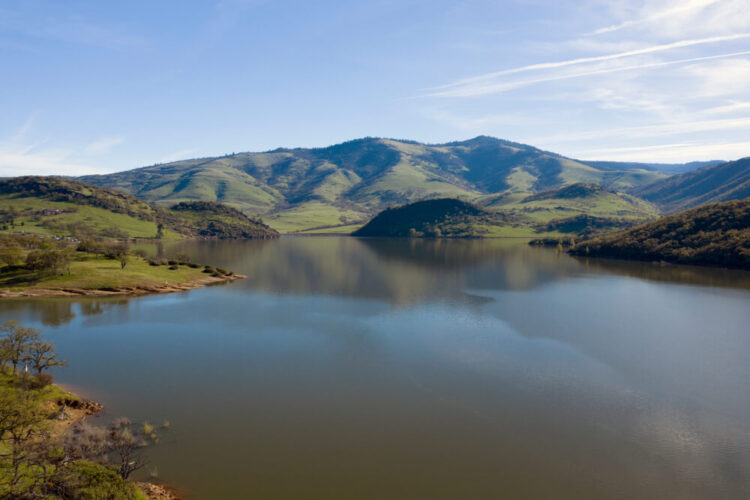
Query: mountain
x=345, y=184
x=717, y=234
x=667, y=168
x=723, y=182
x=66, y=207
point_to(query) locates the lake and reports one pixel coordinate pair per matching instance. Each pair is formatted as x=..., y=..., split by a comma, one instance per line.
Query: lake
x=349, y=368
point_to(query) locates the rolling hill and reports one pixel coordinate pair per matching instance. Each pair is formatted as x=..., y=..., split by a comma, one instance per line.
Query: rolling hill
x=438, y=218
x=345, y=184
x=56, y=206
x=577, y=209
x=717, y=234
x=715, y=183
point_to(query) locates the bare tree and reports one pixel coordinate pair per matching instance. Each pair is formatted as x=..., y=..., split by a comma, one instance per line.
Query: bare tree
x=16, y=342
x=42, y=356
x=125, y=442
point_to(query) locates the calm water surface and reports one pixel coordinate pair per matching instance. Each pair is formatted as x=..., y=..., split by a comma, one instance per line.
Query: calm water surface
x=381, y=369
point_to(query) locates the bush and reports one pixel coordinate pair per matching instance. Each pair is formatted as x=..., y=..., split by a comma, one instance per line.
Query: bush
x=193, y=265
x=89, y=481
x=172, y=262
x=221, y=271
x=173, y=268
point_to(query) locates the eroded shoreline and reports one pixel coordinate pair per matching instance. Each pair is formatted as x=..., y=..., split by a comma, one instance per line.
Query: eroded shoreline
x=135, y=290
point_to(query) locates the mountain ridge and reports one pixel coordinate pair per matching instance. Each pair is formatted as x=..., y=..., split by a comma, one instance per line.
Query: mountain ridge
x=716, y=183
x=343, y=184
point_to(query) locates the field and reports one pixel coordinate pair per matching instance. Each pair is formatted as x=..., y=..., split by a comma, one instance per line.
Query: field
x=72, y=215
x=89, y=272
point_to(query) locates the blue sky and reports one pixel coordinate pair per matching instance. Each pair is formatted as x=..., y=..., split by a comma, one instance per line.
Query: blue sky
x=90, y=86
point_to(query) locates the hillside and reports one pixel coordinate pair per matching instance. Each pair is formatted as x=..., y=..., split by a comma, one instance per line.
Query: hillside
x=716, y=235
x=208, y=219
x=437, y=218
x=579, y=208
x=723, y=182
x=345, y=184
x=56, y=206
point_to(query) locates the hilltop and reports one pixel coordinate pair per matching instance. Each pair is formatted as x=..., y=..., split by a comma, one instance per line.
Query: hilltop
x=716, y=235
x=714, y=183
x=55, y=206
x=341, y=186
x=438, y=218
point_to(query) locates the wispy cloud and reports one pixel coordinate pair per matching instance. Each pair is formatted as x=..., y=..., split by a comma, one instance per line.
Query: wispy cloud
x=648, y=131
x=479, y=85
x=683, y=6
x=22, y=161
x=102, y=146
x=483, y=89
x=668, y=152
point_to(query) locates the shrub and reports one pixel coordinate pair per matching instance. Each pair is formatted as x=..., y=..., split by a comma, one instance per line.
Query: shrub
x=221, y=270
x=173, y=267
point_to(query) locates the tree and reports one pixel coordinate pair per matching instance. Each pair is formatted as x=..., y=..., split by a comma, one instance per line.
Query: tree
x=125, y=442
x=50, y=259
x=10, y=253
x=123, y=261
x=16, y=342
x=42, y=356
x=22, y=445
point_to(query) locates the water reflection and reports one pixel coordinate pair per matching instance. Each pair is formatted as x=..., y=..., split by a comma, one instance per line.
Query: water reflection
x=426, y=369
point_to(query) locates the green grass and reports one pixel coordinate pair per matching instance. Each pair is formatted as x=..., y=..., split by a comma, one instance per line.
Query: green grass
x=88, y=480
x=94, y=218
x=94, y=273
x=313, y=215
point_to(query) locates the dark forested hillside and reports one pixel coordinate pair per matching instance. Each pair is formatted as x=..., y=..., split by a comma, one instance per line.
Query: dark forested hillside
x=438, y=218
x=716, y=235
x=723, y=182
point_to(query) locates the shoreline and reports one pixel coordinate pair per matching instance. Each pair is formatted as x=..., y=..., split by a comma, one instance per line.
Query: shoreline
x=132, y=291
x=76, y=409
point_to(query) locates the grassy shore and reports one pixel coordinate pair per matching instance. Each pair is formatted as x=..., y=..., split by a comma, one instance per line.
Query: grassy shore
x=88, y=479
x=89, y=274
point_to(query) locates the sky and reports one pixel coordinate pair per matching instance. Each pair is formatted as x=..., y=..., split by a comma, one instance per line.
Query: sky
x=96, y=87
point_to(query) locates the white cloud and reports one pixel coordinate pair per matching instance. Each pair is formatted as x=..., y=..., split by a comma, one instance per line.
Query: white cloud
x=672, y=10
x=668, y=153
x=647, y=131
x=493, y=88
x=474, y=81
x=23, y=161
x=102, y=146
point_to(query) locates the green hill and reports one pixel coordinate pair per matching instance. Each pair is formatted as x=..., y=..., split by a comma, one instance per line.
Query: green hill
x=438, y=218
x=576, y=208
x=723, y=182
x=716, y=235
x=345, y=184
x=55, y=206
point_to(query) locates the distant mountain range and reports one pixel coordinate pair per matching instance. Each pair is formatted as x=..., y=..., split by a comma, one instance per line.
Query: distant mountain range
x=723, y=182
x=340, y=187
x=296, y=189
